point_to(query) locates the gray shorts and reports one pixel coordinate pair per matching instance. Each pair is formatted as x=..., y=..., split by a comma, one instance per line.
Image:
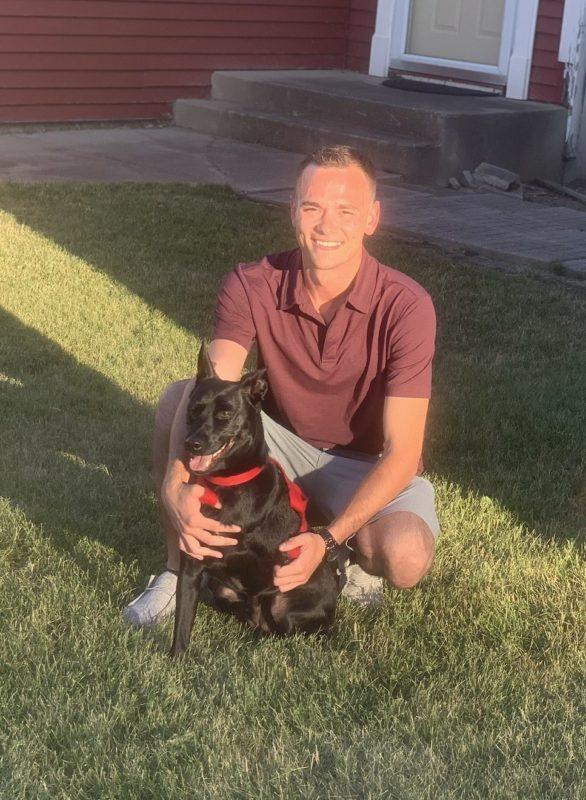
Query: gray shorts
x=330, y=479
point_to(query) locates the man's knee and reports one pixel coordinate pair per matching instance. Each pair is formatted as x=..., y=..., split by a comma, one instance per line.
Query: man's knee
x=164, y=416
x=168, y=403
x=399, y=547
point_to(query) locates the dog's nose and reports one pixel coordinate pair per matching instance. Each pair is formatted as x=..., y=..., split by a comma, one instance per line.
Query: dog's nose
x=193, y=445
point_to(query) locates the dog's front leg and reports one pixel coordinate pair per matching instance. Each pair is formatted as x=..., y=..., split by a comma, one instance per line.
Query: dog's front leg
x=190, y=572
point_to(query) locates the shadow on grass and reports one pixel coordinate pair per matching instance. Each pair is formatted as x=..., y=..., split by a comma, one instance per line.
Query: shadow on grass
x=506, y=417
x=169, y=245
x=75, y=449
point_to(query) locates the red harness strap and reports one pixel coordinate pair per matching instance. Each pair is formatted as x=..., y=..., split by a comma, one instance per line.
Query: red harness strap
x=297, y=500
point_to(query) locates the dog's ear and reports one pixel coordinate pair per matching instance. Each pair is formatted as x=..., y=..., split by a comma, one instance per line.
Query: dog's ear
x=204, y=365
x=255, y=385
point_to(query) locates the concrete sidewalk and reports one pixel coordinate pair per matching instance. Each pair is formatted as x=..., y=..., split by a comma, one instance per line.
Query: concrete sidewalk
x=487, y=223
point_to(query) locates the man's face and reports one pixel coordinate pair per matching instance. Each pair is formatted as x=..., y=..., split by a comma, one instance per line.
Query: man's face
x=332, y=210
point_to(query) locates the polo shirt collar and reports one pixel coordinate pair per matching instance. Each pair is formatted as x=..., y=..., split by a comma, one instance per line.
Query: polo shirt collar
x=293, y=291
x=362, y=292
x=292, y=285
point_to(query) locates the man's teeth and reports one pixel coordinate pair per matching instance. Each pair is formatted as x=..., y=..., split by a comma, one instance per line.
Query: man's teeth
x=327, y=244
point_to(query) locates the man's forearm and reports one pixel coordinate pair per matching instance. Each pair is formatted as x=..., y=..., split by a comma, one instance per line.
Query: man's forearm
x=384, y=482
x=175, y=467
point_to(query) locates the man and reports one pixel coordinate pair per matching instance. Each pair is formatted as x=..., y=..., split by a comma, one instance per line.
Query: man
x=348, y=344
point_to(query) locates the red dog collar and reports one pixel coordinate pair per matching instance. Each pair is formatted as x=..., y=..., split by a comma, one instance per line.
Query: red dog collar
x=234, y=480
x=297, y=500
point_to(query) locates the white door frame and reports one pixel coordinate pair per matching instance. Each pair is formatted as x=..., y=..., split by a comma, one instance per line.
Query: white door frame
x=515, y=56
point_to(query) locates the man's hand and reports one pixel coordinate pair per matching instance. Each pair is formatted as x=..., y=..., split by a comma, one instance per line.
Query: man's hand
x=302, y=568
x=183, y=505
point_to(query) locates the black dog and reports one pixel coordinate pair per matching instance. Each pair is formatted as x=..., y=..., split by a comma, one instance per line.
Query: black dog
x=225, y=442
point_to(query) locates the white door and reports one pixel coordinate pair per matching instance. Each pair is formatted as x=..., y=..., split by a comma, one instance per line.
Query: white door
x=461, y=30
x=454, y=38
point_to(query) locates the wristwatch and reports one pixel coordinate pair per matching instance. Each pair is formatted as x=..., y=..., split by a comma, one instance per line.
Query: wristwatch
x=332, y=547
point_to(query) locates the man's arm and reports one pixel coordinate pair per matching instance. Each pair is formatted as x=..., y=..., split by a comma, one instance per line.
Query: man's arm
x=181, y=499
x=404, y=428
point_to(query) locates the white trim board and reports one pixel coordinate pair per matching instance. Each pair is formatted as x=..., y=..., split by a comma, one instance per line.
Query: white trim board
x=380, y=48
x=522, y=52
x=572, y=53
x=572, y=22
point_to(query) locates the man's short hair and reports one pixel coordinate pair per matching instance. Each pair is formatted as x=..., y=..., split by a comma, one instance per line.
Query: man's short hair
x=339, y=155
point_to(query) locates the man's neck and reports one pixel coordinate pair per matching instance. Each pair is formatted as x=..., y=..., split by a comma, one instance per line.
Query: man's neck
x=328, y=288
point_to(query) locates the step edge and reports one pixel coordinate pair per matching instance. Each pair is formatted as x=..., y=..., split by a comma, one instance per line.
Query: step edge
x=376, y=134
x=529, y=107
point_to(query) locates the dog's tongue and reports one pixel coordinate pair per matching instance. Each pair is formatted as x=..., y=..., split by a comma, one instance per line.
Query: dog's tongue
x=200, y=463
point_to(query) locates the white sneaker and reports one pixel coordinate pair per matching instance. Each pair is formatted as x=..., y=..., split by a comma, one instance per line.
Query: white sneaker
x=155, y=604
x=362, y=588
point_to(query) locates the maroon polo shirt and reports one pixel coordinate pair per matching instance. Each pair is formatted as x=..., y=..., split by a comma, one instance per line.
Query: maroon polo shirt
x=327, y=383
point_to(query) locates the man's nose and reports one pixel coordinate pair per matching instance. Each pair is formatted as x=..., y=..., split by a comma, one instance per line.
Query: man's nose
x=327, y=223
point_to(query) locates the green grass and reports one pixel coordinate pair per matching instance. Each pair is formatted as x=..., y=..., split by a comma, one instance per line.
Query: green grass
x=469, y=686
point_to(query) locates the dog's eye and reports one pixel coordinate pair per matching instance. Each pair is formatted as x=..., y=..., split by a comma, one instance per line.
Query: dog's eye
x=223, y=414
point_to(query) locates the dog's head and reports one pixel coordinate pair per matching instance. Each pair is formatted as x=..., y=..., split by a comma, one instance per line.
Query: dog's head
x=224, y=427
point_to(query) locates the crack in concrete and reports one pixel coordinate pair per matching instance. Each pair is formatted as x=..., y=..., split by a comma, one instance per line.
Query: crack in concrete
x=213, y=162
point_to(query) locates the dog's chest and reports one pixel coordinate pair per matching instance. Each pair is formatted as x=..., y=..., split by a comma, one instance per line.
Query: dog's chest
x=262, y=511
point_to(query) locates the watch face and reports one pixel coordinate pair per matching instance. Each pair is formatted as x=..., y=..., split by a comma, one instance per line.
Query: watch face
x=332, y=549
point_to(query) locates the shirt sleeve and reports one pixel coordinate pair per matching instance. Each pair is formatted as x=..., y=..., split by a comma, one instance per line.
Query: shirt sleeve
x=233, y=315
x=411, y=349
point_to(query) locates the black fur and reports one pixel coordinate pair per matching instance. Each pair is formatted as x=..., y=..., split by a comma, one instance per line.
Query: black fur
x=242, y=581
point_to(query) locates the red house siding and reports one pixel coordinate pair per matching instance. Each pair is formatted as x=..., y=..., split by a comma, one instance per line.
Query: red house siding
x=129, y=59
x=361, y=25
x=547, y=73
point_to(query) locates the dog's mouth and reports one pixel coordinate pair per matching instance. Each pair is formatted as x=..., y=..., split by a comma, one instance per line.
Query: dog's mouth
x=205, y=463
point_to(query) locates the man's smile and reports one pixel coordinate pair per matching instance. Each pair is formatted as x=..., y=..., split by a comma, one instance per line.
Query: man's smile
x=327, y=244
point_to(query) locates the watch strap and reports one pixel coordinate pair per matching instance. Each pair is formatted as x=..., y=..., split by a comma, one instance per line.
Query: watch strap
x=332, y=546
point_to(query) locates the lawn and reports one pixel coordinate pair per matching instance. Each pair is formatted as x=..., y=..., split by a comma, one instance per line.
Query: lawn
x=469, y=686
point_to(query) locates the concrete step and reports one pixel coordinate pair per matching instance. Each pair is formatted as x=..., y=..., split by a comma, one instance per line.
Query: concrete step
x=390, y=152
x=314, y=93
x=428, y=138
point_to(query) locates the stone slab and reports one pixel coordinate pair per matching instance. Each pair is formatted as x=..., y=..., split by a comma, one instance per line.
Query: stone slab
x=142, y=154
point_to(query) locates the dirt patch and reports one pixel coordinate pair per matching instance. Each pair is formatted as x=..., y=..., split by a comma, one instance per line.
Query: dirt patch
x=533, y=193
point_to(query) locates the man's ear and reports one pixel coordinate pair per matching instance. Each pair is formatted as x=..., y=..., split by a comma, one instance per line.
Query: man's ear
x=204, y=365
x=373, y=218
x=255, y=385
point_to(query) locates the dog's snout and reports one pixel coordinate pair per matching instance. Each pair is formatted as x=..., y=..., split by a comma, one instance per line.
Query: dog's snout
x=193, y=445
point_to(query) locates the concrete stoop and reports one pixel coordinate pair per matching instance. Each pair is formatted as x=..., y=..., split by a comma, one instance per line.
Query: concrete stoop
x=426, y=138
